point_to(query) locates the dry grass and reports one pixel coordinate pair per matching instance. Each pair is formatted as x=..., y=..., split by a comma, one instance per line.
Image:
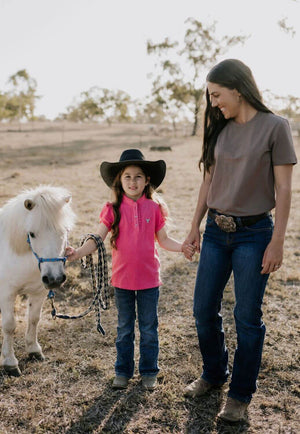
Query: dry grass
x=71, y=391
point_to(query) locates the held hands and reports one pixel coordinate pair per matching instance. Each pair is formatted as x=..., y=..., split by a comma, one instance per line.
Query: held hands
x=188, y=250
x=191, y=244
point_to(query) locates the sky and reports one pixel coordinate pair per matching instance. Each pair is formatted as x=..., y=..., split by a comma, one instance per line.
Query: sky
x=69, y=46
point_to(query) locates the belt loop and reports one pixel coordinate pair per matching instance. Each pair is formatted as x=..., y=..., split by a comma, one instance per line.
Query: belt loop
x=239, y=221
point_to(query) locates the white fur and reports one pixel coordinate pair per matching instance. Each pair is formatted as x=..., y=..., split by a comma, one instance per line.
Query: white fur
x=49, y=219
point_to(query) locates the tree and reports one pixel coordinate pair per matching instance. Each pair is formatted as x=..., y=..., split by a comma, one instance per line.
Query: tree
x=4, y=112
x=286, y=28
x=180, y=83
x=121, y=106
x=287, y=106
x=23, y=94
x=85, y=109
x=149, y=110
x=100, y=103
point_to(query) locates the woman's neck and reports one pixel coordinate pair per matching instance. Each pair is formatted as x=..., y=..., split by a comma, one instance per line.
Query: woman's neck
x=246, y=113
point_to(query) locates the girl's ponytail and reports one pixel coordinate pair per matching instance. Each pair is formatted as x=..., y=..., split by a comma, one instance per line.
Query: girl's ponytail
x=118, y=191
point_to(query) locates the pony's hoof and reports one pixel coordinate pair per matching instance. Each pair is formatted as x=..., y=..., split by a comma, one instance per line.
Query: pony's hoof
x=12, y=371
x=36, y=356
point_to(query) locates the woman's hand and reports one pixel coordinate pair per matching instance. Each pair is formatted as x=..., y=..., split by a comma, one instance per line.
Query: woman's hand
x=188, y=250
x=192, y=242
x=273, y=257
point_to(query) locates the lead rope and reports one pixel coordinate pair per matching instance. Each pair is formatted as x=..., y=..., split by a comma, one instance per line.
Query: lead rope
x=99, y=277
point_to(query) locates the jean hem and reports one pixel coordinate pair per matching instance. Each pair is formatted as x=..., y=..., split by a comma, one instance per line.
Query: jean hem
x=214, y=384
x=121, y=374
x=149, y=374
x=238, y=397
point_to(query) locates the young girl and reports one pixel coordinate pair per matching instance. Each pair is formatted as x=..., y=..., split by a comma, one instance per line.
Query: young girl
x=135, y=220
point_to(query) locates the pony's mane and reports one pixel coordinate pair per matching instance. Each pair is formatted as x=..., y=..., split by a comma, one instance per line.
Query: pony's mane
x=51, y=209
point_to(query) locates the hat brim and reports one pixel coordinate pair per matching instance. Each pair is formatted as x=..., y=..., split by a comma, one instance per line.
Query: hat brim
x=155, y=169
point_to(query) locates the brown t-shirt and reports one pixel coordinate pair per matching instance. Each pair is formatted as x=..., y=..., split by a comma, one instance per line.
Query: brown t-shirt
x=243, y=180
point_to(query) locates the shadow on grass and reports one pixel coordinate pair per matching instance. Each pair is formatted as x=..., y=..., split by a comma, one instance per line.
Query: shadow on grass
x=111, y=411
x=202, y=413
x=67, y=153
x=203, y=416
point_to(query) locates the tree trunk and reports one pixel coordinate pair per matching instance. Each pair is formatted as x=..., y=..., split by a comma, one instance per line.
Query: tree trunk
x=174, y=127
x=195, y=126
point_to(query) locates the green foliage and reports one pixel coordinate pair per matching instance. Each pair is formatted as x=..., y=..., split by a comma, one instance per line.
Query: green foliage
x=287, y=106
x=179, y=84
x=19, y=101
x=290, y=107
x=153, y=111
x=121, y=106
x=99, y=103
x=290, y=30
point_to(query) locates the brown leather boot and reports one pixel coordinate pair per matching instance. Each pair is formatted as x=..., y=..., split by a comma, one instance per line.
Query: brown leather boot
x=120, y=382
x=197, y=388
x=149, y=382
x=233, y=410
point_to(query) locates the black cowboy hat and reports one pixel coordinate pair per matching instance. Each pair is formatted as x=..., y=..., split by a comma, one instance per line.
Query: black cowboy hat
x=155, y=169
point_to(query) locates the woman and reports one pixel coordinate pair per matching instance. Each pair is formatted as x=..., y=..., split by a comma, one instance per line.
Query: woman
x=247, y=157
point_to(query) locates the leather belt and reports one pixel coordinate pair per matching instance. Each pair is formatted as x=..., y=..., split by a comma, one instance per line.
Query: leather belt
x=229, y=223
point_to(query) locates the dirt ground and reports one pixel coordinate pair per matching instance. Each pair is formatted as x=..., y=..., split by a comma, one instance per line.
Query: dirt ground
x=70, y=392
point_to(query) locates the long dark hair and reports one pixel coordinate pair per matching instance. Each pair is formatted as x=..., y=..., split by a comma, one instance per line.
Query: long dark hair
x=118, y=192
x=233, y=74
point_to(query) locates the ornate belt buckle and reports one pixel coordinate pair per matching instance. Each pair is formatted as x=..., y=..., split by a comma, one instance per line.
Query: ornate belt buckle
x=225, y=223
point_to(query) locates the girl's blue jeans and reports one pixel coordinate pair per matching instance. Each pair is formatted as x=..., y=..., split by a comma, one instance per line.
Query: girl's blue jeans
x=222, y=253
x=146, y=301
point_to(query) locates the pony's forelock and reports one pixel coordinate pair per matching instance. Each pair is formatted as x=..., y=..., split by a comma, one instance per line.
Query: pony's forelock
x=52, y=209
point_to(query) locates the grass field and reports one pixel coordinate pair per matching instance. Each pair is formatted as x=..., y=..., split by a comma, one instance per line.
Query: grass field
x=70, y=392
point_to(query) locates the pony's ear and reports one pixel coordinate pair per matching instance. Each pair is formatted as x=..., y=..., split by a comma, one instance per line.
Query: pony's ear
x=68, y=198
x=29, y=204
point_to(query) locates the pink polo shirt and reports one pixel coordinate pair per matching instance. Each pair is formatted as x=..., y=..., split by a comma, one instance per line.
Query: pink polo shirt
x=135, y=263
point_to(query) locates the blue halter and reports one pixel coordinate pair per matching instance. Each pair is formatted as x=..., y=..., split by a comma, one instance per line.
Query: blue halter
x=41, y=260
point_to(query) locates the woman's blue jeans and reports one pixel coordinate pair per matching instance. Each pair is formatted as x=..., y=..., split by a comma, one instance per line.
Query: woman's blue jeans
x=240, y=252
x=146, y=301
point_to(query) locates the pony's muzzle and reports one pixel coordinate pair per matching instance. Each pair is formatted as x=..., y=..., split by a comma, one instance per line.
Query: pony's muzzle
x=50, y=281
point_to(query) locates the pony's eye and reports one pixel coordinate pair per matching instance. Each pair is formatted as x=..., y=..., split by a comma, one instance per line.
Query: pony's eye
x=32, y=234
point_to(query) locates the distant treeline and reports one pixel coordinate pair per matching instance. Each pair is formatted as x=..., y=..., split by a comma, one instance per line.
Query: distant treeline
x=178, y=86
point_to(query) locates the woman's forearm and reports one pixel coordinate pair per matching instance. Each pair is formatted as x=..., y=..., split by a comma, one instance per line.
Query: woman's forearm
x=201, y=206
x=283, y=186
x=282, y=210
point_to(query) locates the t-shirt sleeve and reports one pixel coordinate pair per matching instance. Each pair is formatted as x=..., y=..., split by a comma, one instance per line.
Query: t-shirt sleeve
x=159, y=220
x=283, y=151
x=107, y=215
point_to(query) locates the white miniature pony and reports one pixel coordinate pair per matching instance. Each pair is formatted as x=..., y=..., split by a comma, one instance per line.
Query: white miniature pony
x=33, y=237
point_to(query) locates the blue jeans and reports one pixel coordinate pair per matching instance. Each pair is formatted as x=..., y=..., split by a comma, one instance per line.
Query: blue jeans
x=240, y=252
x=147, y=303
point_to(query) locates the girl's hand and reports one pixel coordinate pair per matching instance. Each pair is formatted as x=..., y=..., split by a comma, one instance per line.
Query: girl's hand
x=71, y=253
x=273, y=257
x=193, y=239
x=188, y=250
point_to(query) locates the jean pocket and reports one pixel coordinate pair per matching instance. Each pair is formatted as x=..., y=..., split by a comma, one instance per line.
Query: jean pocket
x=210, y=222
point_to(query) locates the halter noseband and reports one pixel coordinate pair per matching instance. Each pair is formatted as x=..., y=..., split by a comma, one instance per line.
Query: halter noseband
x=41, y=260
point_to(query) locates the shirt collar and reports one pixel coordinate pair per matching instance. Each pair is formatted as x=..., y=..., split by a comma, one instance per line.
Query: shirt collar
x=132, y=202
